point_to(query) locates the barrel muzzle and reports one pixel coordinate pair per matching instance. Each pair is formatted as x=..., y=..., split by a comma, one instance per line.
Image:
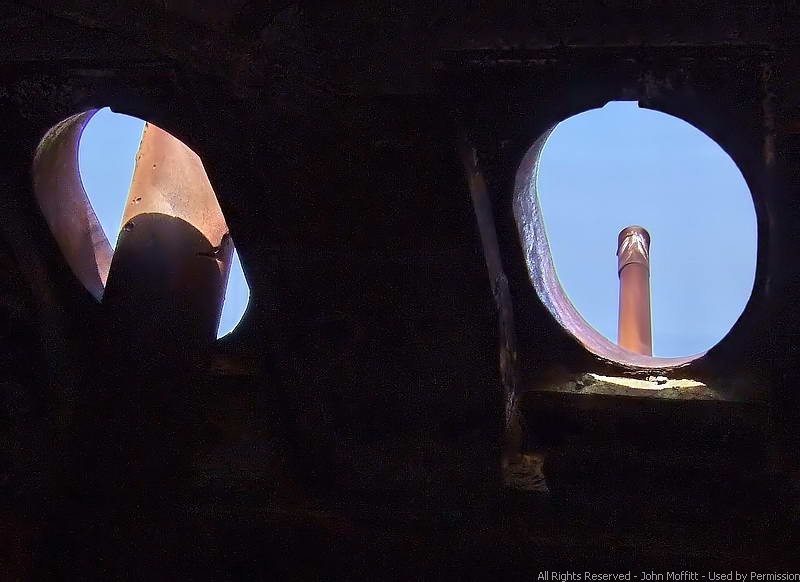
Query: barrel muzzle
x=633, y=246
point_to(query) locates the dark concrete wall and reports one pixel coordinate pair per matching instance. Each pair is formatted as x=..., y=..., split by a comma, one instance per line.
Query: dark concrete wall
x=357, y=420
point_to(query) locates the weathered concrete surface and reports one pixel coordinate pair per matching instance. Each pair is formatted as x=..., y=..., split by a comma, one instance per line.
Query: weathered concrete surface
x=356, y=422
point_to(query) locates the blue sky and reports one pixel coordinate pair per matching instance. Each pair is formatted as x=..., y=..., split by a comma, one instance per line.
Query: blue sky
x=106, y=158
x=620, y=165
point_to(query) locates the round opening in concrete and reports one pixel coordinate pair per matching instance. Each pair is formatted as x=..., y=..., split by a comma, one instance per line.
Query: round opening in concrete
x=606, y=169
x=91, y=184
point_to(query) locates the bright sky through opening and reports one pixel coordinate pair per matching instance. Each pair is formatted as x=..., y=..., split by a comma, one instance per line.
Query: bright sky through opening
x=106, y=157
x=605, y=169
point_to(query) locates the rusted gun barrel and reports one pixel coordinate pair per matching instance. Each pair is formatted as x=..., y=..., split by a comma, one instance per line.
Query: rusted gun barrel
x=633, y=267
x=168, y=275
